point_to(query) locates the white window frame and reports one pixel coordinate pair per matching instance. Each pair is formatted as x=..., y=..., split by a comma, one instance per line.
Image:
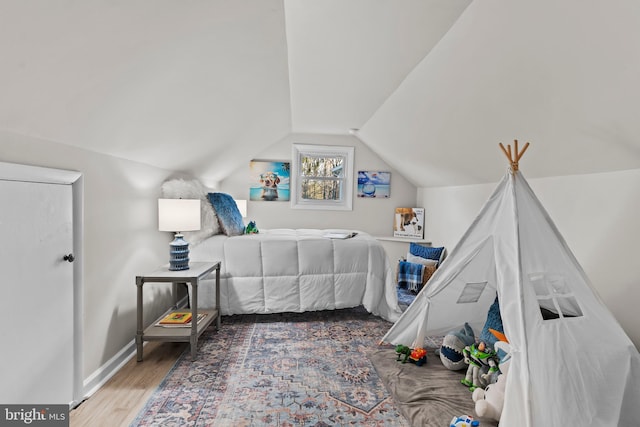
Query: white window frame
x=302, y=150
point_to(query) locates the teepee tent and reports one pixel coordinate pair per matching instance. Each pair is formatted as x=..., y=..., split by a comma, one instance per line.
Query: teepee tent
x=576, y=367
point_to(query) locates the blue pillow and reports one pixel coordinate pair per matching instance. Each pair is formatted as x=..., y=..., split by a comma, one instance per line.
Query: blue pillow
x=425, y=251
x=228, y=213
x=494, y=321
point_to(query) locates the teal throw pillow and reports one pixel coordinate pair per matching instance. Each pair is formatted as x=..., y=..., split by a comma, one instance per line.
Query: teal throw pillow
x=494, y=321
x=228, y=213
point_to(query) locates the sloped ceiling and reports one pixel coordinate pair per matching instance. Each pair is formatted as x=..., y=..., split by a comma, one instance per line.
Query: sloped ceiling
x=347, y=57
x=432, y=85
x=562, y=75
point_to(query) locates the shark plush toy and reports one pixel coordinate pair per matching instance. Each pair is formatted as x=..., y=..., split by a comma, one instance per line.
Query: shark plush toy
x=453, y=344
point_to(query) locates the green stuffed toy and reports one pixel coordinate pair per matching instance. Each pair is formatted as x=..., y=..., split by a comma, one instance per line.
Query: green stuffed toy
x=251, y=228
x=403, y=353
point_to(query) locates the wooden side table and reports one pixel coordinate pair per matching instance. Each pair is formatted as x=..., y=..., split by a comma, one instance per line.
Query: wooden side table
x=192, y=276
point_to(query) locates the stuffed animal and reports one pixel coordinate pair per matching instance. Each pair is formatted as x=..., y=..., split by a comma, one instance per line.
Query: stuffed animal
x=453, y=344
x=464, y=421
x=482, y=364
x=490, y=401
x=251, y=228
x=403, y=350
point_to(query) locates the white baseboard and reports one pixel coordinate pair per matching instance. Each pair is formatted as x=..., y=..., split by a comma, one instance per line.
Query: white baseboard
x=103, y=374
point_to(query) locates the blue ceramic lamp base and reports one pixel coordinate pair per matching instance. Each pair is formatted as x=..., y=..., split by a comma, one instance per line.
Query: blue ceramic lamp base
x=178, y=253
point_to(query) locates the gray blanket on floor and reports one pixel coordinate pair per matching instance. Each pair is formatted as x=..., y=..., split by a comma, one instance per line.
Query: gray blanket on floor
x=428, y=395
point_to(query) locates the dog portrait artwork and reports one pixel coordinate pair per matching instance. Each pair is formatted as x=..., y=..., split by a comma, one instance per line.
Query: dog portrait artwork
x=409, y=222
x=411, y=226
x=269, y=181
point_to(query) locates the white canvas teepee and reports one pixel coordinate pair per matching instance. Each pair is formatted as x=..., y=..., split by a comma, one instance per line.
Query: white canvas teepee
x=578, y=369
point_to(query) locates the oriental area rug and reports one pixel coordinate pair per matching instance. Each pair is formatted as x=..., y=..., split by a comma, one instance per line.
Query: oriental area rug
x=292, y=369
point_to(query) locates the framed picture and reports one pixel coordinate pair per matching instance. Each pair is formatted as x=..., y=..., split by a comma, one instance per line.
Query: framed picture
x=374, y=184
x=269, y=181
x=409, y=223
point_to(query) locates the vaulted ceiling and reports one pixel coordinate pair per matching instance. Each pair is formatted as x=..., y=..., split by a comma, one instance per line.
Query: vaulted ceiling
x=432, y=85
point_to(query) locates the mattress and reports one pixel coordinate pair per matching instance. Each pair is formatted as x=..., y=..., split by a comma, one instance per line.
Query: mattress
x=297, y=270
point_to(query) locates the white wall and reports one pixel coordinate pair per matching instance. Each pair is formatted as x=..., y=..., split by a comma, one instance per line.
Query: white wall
x=597, y=214
x=121, y=239
x=374, y=216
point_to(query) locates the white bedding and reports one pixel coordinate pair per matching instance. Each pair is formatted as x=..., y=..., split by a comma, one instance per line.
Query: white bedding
x=285, y=270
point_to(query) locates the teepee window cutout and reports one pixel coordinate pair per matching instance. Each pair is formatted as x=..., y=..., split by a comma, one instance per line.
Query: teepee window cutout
x=554, y=296
x=471, y=292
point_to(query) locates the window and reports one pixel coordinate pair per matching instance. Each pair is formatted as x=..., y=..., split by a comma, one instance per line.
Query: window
x=554, y=296
x=322, y=177
x=471, y=292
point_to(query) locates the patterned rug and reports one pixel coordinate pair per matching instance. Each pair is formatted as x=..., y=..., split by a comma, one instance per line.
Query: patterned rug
x=293, y=369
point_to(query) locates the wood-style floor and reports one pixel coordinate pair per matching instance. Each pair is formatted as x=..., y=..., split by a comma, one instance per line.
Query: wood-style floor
x=118, y=402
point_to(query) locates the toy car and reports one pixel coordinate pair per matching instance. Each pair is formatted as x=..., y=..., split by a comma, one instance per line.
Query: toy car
x=418, y=356
x=464, y=421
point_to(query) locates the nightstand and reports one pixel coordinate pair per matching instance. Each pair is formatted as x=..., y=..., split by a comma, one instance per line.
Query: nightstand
x=190, y=334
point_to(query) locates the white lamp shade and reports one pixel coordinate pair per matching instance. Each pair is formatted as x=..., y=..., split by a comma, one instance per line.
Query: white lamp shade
x=178, y=215
x=242, y=207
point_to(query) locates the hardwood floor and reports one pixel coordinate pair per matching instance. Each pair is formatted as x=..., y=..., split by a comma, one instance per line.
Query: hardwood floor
x=118, y=402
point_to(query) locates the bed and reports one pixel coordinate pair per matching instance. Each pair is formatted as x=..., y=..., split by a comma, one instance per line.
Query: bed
x=298, y=270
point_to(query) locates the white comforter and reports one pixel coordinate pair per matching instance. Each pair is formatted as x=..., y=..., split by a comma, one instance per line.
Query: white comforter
x=285, y=270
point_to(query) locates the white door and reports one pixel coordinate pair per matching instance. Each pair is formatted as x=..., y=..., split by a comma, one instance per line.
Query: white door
x=36, y=293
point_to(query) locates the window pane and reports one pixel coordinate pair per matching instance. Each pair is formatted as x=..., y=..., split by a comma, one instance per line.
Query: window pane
x=322, y=177
x=548, y=309
x=317, y=166
x=569, y=307
x=558, y=285
x=321, y=189
x=471, y=292
x=539, y=284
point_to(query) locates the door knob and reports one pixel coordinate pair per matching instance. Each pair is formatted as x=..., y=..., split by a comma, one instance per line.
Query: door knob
x=69, y=258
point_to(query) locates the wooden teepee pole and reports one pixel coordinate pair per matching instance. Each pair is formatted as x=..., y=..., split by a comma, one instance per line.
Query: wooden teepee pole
x=518, y=154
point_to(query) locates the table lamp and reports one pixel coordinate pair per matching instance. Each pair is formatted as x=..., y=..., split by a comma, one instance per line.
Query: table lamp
x=178, y=215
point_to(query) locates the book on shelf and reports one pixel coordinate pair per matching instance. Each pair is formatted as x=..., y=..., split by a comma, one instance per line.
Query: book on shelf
x=176, y=318
x=340, y=235
x=182, y=325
